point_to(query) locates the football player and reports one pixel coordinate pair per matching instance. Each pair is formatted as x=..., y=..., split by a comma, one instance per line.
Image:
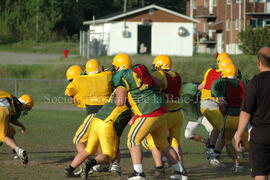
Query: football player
x=11, y=108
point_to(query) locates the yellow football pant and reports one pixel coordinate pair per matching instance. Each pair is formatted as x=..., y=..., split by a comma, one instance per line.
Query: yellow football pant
x=231, y=125
x=4, y=118
x=81, y=135
x=174, y=125
x=215, y=117
x=102, y=133
x=155, y=126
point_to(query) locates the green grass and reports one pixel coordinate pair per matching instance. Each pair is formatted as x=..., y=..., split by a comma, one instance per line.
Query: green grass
x=48, y=140
x=45, y=91
x=190, y=68
x=41, y=47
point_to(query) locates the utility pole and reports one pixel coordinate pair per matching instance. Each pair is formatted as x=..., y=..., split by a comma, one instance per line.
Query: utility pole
x=142, y=3
x=125, y=10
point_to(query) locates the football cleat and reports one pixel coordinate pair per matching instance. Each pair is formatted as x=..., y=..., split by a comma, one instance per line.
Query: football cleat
x=136, y=176
x=101, y=168
x=159, y=172
x=86, y=169
x=22, y=154
x=237, y=169
x=215, y=162
x=68, y=173
x=179, y=176
x=209, y=152
x=116, y=169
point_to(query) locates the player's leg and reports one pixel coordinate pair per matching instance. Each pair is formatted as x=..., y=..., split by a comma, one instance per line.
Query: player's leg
x=159, y=135
x=230, y=130
x=108, y=140
x=90, y=149
x=116, y=168
x=175, y=121
x=208, y=127
x=9, y=141
x=138, y=131
x=81, y=134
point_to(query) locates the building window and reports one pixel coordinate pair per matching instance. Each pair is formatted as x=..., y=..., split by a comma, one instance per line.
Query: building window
x=151, y=12
x=206, y=3
x=228, y=25
x=215, y=3
x=238, y=1
x=229, y=1
x=258, y=1
x=194, y=4
x=237, y=24
x=256, y=23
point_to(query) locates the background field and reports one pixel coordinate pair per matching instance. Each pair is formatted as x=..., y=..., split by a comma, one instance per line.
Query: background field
x=53, y=122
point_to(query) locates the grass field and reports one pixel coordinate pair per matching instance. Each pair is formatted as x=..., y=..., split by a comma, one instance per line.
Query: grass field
x=48, y=140
x=190, y=68
x=41, y=47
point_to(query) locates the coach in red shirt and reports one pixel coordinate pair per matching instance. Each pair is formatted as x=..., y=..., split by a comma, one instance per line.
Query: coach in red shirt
x=256, y=111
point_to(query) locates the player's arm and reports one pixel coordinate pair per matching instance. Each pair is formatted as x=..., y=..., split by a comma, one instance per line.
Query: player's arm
x=122, y=88
x=120, y=96
x=71, y=89
x=159, y=80
x=19, y=124
x=201, y=86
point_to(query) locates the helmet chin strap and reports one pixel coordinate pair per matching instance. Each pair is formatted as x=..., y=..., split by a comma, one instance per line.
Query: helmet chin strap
x=121, y=68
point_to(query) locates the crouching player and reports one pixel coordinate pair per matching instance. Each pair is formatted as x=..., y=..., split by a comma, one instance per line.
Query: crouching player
x=191, y=108
x=230, y=90
x=11, y=109
x=105, y=130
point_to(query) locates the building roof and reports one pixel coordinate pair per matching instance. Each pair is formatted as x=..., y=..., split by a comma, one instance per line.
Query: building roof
x=116, y=16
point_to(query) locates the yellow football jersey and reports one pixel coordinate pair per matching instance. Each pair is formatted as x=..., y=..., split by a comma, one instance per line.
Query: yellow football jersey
x=93, y=89
x=206, y=94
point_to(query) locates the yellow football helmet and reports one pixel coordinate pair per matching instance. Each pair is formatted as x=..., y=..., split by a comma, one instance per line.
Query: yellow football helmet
x=229, y=71
x=222, y=56
x=163, y=62
x=92, y=66
x=27, y=100
x=122, y=61
x=73, y=72
x=224, y=62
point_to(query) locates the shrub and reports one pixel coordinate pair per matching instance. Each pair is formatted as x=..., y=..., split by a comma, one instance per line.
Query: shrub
x=253, y=39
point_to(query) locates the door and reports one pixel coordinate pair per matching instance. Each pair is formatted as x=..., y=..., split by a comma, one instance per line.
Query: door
x=219, y=42
x=144, y=39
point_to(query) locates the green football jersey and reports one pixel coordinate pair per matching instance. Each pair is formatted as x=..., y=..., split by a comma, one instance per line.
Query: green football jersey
x=142, y=99
x=119, y=115
x=219, y=90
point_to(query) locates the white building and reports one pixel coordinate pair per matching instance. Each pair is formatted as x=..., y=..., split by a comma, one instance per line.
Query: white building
x=151, y=29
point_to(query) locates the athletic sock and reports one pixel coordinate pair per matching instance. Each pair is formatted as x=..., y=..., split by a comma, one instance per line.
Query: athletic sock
x=13, y=150
x=160, y=167
x=71, y=168
x=178, y=167
x=138, y=168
